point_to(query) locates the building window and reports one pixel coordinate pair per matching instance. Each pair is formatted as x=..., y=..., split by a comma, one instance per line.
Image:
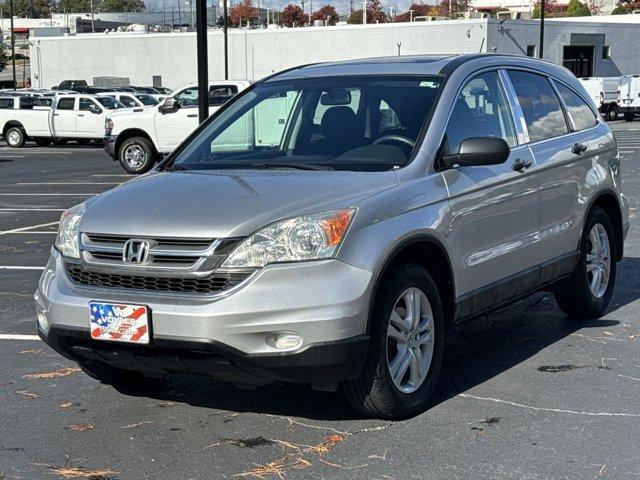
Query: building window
x=531, y=50
x=606, y=52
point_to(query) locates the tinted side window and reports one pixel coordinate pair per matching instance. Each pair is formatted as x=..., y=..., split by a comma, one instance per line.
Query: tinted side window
x=481, y=110
x=6, y=103
x=128, y=101
x=86, y=104
x=581, y=115
x=188, y=97
x=66, y=103
x=540, y=106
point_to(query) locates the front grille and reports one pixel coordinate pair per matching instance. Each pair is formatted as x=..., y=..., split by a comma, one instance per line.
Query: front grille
x=216, y=282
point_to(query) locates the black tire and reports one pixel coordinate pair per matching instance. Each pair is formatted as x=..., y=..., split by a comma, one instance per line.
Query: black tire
x=374, y=392
x=60, y=141
x=42, y=142
x=612, y=114
x=629, y=117
x=83, y=141
x=574, y=295
x=117, y=377
x=15, y=137
x=137, y=164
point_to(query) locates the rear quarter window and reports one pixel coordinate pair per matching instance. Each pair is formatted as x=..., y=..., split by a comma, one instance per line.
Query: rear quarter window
x=580, y=113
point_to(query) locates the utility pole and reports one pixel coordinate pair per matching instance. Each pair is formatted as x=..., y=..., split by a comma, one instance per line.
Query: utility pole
x=173, y=21
x=179, y=14
x=13, y=45
x=542, y=8
x=203, y=64
x=364, y=12
x=93, y=26
x=226, y=40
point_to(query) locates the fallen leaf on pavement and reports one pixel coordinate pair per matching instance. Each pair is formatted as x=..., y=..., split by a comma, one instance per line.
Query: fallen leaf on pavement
x=62, y=372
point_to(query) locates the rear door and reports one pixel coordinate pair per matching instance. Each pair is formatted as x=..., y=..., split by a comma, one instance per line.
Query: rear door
x=65, y=117
x=564, y=140
x=90, y=119
x=494, y=208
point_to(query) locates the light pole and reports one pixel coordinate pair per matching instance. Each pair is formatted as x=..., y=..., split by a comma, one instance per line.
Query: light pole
x=13, y=45
x=542, y=6
x=93, y=27
x=203, y=64
x=226, y=40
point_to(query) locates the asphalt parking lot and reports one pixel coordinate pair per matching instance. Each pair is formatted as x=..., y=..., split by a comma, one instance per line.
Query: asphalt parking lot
x=525, y=392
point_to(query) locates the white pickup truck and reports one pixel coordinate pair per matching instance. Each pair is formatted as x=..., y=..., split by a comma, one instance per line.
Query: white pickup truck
x=66, y=117
x=139, y=140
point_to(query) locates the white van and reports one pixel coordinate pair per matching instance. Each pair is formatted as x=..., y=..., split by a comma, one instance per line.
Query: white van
x=604, y=93
x=629, y=96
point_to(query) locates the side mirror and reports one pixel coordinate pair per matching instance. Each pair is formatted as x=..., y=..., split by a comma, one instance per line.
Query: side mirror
x=169, y=105
x=95, y=109
x=479, y=151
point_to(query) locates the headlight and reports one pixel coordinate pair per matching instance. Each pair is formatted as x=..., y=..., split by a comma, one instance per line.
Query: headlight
x=108, y=126
x=308, y=237
x=68, y=231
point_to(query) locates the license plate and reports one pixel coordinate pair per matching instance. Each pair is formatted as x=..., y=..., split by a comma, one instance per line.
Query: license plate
x=119, y=322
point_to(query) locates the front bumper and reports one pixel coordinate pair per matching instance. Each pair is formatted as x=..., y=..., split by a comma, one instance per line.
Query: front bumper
x=226, y=336
x=110, y=145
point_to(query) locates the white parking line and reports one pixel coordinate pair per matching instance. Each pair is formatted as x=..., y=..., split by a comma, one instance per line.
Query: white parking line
x=68, y=183
x=112, y=175
x=21, y=209
x=19, y=267
x=48, y=194
x=52, y=232
x=9, y=336
x=22, y=229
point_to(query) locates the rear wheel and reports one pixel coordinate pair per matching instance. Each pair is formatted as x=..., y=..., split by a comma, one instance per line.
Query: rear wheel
x=15, y=137
x=407, y=344
x=612, y=113
x=60, y=141
x=629, y=117
x=136, y=155
x=586, y=294
x=42, y=142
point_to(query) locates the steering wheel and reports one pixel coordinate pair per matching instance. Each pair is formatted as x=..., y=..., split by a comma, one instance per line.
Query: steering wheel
x=395, y=138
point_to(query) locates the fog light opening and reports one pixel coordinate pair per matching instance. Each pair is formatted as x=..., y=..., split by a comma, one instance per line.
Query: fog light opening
x=285, y=341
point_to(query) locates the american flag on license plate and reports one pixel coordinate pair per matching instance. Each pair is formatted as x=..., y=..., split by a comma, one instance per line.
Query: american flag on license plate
x=123, y=323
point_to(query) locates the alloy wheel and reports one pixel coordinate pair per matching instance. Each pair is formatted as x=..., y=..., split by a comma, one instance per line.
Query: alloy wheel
x=598, y=260
x=135, y=156
x=410, y=340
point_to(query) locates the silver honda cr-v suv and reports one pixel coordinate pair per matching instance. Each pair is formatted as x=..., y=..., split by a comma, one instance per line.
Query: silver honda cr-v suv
x=328, y=225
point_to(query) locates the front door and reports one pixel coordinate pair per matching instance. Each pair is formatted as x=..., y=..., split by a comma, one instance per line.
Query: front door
x=173, y=127
x=90, y=119
x=494, y=208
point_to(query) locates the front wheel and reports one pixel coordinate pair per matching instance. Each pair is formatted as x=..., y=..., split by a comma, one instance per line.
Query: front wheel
x=136, y=155
x=586, y=294
x=15, y=137
x=407, y=345
x=612, y=113
x=629, y=117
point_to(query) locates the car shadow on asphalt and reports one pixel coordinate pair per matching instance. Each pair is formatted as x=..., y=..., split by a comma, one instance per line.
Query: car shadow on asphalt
x=476, y=352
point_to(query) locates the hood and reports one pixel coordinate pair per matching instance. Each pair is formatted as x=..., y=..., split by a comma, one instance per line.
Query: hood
x=127, y=111
x=224, y=203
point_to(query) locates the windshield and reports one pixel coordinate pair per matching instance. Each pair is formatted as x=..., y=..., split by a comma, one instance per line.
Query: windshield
x=344, y=123
x=147, y=100
x=109, y=103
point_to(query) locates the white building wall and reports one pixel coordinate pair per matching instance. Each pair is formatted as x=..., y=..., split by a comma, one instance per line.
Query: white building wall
x=253, y=54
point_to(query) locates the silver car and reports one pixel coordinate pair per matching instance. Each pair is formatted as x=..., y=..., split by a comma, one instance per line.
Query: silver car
x=328, y=225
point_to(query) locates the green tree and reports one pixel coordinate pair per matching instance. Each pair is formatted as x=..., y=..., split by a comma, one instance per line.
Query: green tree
x=576, y=8
x=30, y=8
x=72, y=6
x=120, y=6
x=355, y=17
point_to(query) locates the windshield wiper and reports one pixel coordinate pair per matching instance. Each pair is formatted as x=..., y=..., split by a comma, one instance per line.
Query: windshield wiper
x=295, y=166
x=178, y=168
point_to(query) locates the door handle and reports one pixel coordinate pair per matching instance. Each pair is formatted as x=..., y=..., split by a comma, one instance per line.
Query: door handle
x=56, y=114
x=81, y=114
x=579, y=148
x=191, y=115
x=521, y=165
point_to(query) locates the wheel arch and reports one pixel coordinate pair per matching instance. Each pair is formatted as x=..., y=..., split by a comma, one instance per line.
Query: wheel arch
x=608, y=201
x=130, y=133
x=428, y=251
x=10, y=124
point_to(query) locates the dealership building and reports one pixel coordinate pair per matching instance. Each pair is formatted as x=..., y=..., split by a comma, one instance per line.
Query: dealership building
x=589, y=46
